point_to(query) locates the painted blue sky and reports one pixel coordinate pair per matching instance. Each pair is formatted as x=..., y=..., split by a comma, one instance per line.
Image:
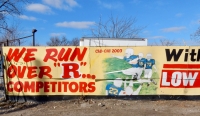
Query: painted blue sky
x=164, y=19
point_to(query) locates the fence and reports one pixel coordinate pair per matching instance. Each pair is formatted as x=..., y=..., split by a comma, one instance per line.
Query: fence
x=2, y=87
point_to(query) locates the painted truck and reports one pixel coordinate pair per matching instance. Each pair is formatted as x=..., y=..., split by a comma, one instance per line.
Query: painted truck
x=90, y=41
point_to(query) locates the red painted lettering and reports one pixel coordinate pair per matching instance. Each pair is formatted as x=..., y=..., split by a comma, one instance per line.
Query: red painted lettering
x=12, y=71
x=91, y=86
x=17, y=54
x=9, y=86
x=64, y=54
x=18, y=86
x=59, y=86
x=78, y=54
x=45, y=70
x=65, y=86
x=70, y=70
x=19, y=71
x=29, y=55
x=32, y=72
x=83, y=87
x=39, y=85
x=53, y=86
x=73, y=87
x=51, y=54
x=29, y=86
x=46, y=86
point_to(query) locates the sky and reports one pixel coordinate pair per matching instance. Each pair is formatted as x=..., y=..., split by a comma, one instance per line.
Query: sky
x=162, y=19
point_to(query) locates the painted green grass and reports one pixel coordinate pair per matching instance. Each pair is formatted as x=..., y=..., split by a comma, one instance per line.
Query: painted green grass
x=152, y=88
x=114, y=64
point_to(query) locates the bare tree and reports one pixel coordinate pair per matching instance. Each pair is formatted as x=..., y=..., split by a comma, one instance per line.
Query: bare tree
x=165, y=42
x=11, y=36
x=196, y=36
x=9, y=7
x=56, y=41
x=74, y=42
x=116, y=27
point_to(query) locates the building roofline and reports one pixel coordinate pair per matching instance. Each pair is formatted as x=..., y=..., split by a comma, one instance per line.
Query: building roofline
x=105, y=38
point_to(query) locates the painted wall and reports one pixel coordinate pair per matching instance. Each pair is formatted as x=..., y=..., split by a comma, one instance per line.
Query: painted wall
x=102, y=70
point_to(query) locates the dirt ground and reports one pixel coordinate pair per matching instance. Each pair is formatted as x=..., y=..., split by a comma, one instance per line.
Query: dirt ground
x=99, y=107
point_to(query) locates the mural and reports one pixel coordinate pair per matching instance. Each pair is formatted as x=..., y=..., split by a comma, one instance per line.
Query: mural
x=134, y=73
x=107, y=71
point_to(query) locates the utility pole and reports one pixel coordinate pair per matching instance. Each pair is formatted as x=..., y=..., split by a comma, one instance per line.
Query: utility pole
x=33, y=31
